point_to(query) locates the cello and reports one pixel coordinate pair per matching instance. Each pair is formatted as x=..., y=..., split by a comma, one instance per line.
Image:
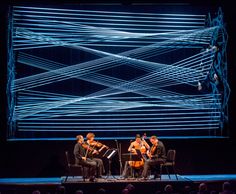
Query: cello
x=143, y=150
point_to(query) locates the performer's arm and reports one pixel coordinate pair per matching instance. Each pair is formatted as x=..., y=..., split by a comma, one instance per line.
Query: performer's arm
x=131, y=147
x=146, y=144
x=154, y=155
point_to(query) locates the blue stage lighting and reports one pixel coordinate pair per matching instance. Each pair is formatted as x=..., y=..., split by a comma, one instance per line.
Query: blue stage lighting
x=115, y=73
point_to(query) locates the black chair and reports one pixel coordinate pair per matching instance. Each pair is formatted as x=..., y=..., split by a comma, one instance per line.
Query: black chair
x=72, y=166
x=170, y=163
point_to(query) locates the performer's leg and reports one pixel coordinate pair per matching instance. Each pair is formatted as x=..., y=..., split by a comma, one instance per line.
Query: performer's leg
x=140, y=171
x=146, y=168
x=157, y=166
x=125, y=171
x=100, y=166
x=91, y=165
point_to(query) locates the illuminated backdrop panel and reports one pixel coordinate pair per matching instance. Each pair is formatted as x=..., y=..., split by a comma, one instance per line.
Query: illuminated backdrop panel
x=115, y=73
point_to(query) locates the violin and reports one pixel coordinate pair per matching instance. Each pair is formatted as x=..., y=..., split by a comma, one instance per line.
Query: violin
x=97, y=147
x=89, y=149
x=97, y=144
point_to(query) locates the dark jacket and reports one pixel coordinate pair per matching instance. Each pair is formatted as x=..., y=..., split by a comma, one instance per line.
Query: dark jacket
x=79, y=152
x=160, y=151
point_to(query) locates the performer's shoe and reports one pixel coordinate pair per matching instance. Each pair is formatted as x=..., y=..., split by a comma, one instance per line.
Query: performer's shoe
x=143, y=179
x=92, y=179
x=157, y=176
x=122, y=178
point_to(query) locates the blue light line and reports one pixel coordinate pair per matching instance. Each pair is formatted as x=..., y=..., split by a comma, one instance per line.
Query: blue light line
x=133, y=25
x=119, y=138
x=115, y=119
x=32, y=124
x=109, y=16
x=109, y=12
x=102, y=19
x=46, y=116
x=177, y=127
x=70, y=29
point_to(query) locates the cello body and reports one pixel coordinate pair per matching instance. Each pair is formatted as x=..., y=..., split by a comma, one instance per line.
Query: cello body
x=138, y=164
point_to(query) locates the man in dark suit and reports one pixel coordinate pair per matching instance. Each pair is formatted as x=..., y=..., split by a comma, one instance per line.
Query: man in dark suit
x=80, y=154
x=157, y=156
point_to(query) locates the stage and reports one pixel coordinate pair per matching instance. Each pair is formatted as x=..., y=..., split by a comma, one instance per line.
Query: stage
x=161, y=70
x=113, y=184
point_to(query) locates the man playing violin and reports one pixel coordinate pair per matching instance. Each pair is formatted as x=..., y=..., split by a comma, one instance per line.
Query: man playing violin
x=96, y=146
x=157, y=156
x=80, y=153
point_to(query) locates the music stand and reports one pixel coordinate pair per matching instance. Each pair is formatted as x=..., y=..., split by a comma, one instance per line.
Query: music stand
x=102, y=151
x=139, y=153
x=109, y=154
x=131, y=157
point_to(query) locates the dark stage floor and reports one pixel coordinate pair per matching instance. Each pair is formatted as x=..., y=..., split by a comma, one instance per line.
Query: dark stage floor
x=59, y=180
x=113, y=185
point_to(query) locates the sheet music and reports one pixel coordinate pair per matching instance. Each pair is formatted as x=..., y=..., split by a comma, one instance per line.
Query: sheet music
x=111, y=154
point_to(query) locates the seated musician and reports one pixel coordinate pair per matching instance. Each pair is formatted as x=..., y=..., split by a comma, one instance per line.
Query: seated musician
x=138, y=144
x=157, y=156
x=80, y=153
x=96, y=146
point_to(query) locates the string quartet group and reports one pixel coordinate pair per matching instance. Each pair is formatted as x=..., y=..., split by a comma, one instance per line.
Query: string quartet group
x=139, y=160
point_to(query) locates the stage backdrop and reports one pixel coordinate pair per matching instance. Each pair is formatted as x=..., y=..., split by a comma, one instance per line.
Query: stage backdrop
x=116, y=71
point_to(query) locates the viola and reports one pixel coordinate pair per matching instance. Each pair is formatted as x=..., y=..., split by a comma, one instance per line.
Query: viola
x=152, y=151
